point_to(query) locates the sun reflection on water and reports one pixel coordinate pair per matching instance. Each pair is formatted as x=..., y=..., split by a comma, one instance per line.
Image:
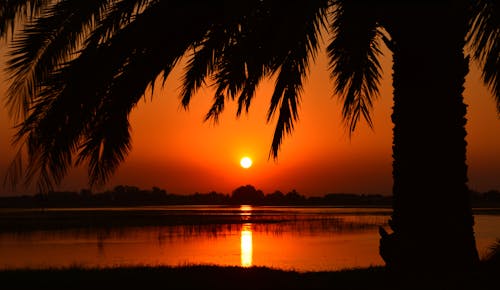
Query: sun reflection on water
x=245, y=212
x=245, y=209
x=246, y=245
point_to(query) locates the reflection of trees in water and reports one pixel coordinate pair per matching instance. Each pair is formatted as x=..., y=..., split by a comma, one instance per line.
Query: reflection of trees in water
x=211, y=231
x=275, y=224
x=323, y=225
x=299, y=225
x=102, y=236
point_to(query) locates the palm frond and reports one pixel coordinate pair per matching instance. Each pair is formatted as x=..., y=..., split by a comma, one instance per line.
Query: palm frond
x=255, y=73
x=276, y=40
x=229, y=79
x=217, y=107
x=201, y=63
x=50, y=133
x=299, y=48
x=105, y=149
x=224, y=55
x=79, y=107
x=286, y=96
x=354, y=60
x=240, y=68
x=13, y=12
x=106, y=144
x=258, y=56
x=46, y=44
x=484, y=38
x=119, y=15
x=14, y=170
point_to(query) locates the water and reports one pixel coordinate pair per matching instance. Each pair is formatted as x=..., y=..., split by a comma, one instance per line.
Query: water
x=294, y=238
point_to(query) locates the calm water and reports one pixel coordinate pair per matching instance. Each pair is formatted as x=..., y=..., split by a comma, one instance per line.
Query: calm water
x=303, y=239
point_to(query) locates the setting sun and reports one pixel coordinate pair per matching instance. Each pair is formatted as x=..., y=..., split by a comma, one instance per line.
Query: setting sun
x=246, y=162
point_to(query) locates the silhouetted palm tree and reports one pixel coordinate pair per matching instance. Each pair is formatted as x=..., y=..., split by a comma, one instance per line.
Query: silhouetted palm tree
x=432, y=218
x=238, y=43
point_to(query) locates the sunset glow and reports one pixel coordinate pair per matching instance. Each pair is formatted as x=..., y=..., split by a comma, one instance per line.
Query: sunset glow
x=246, y=162
x=316, y=159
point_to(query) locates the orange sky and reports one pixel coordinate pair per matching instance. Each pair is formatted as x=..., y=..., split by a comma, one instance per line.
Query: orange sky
x=175, y=150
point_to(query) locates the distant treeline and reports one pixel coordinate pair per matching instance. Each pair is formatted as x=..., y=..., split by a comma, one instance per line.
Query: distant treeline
x=124, y=195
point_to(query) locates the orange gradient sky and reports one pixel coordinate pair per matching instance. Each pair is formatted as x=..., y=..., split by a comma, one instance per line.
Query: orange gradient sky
x=175, y=150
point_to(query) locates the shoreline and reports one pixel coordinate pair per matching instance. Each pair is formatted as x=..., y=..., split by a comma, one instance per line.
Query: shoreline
x=232, y=277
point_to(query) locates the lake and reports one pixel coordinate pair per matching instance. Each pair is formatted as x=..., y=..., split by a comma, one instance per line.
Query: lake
x=292, y=238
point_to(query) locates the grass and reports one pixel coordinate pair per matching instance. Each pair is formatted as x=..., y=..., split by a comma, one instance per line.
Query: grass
x=219, y=277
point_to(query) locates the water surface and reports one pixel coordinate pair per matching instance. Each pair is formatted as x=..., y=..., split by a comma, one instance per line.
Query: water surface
x=302, y=239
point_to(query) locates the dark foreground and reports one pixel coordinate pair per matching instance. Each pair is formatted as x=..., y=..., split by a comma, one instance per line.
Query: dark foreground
x=215, y=277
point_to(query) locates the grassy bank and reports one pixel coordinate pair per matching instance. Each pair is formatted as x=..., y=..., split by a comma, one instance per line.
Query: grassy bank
x=215, y=277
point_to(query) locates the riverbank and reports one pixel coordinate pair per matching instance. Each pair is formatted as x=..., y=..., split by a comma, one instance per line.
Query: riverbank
x=215, y=277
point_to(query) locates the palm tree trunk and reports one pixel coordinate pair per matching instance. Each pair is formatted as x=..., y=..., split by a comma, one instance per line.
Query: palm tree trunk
x=432, y=219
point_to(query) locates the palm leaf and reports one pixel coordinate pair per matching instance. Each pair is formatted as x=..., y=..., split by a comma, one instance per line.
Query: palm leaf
x=217, y=54
x=201, y=63
x=46, y=44
x=484, y=37
x=258, y=58
x=17, y=11
x=354, y=64
x=299, y=41
x=118, y=16
x=224, y=55
x=79, y=107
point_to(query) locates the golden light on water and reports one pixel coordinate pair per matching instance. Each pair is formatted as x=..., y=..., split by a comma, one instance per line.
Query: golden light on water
x=246, y=245
x=245, y=209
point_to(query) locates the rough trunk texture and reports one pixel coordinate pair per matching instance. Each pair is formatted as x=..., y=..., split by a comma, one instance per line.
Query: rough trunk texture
x=432, y=220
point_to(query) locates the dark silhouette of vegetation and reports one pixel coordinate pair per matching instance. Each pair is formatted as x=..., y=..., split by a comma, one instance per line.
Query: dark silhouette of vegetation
x=247, y=195
x=239, y=43
x=124, y=195
x=488, y=198
x=227, y=277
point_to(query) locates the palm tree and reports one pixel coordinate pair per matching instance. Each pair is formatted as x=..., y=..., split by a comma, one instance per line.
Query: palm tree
x=432, y=219
x=240, y=44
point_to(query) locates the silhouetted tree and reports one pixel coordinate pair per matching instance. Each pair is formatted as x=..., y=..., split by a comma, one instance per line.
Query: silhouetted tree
x=247, y=195
x=156, y=189
x=294, y=197
x=432, y=218
x=492, y=195
x=239, y=43
x=276, y=197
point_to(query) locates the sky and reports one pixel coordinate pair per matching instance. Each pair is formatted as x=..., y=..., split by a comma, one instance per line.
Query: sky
x=176, y=150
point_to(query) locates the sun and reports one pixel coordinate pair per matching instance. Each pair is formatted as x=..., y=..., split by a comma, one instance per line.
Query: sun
x=246, y=162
